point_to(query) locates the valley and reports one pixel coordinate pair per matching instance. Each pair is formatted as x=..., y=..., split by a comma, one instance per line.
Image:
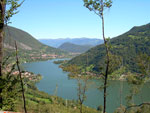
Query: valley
x=88, y=56
x=54, y=81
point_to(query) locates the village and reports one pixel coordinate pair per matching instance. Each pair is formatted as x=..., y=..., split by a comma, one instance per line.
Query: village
x=45, y=56
x=28, y=75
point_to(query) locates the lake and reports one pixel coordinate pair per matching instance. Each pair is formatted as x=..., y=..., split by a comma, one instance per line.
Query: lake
x=67, y=88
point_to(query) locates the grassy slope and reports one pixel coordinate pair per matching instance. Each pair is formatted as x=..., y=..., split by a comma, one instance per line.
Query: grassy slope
x=40, y=102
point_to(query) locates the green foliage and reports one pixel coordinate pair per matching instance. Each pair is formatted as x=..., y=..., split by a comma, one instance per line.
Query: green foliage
x=13, y=6
x=143, y=61
x=11, y=89
x=9, y=84
x=97, y=6
x=10, y=8
x=60, y=61
x=74, y=69
x=118, y=73
x=89, y=68
x=115, y=63
x=135, y=79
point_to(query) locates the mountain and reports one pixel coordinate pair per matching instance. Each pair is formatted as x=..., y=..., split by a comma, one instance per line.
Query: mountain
x=25, y=41
x=127, y=45
x=73, y=48
x=79, y=41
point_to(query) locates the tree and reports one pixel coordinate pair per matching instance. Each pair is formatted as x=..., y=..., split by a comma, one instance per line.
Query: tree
x=5, y=16
x=82, y=83
x=98, y=6
x=82, y=88
x=137, y=82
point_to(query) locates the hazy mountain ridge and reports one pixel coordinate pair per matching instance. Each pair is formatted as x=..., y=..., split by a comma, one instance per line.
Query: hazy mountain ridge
x=79, y=41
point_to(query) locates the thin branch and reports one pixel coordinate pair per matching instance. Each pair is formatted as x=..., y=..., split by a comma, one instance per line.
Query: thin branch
x=147, y=103
x=97, y=13
x=17, y=62
x=4, y=62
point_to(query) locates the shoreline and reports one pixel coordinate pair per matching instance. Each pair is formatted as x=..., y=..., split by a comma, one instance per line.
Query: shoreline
x=113, y=76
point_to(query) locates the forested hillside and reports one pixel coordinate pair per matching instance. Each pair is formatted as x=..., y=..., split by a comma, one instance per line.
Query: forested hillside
x=74, y=48
x=127, y=46
x=25, y=41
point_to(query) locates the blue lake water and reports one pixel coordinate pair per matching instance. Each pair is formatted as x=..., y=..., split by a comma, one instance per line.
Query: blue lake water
x=67, y=88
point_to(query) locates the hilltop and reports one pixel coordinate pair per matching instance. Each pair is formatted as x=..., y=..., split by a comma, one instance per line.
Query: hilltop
x=74, y=48
x=25, y=40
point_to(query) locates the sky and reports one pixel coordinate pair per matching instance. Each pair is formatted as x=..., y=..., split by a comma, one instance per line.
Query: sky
x=51, y=19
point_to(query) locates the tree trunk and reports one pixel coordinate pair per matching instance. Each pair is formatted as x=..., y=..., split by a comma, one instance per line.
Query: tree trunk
x=1, y=50
x=107, y=66
x=80, y=107
x=21, y=81
x=107, y=59
x=2, y=14
x=1, y=41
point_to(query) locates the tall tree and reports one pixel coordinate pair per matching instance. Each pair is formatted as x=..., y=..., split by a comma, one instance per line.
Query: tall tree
x=98, y=6
x=5, y=16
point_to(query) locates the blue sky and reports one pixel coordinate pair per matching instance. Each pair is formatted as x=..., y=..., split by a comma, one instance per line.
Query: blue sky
x=69, y=18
